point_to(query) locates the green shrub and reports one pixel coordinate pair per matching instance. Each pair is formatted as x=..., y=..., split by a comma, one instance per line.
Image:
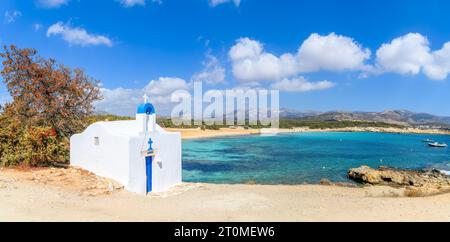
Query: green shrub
x=34, y=146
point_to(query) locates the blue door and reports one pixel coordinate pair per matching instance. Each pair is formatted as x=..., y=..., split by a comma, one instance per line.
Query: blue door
x=148, y=165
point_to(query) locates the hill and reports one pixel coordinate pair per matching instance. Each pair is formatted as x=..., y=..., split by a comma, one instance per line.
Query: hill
x=398, y=117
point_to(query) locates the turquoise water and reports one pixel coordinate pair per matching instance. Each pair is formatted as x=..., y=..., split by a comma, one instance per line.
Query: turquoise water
x=306, y=157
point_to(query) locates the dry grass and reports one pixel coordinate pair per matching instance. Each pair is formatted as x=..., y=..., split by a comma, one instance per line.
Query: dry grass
x=421, y=192
x=414, y=192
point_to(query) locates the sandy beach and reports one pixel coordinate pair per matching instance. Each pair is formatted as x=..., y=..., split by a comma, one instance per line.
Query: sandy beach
x=225, y=132
x=24, y=199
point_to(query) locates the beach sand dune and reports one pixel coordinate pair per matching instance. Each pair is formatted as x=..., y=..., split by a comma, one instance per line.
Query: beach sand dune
x=23, y=199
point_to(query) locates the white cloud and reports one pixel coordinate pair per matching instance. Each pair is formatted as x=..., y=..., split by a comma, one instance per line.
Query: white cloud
x=439, y=67
x=37, y=27
x=165, y=86
x=212, y=73
x=404, y=55
x=123, y=101
x=251, y=63
x=52, y=3
x=119, y=101
x=246, y=48
x=77, y=36
x=411, y=55
x=300, y=84
x=332, y=53
x=11, y=17
x=4, y=95
x=4, y=100
x=132, y=3
x=214, y=3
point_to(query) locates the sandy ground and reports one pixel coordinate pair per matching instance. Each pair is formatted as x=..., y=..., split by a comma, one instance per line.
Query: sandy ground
x=224, y=132
x=198, y=133
x=49, y=198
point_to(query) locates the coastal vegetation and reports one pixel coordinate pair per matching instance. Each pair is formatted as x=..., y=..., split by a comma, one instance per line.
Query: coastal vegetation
x=105, y=118
x=334, y=124
x=292, y=123
x=49, y=103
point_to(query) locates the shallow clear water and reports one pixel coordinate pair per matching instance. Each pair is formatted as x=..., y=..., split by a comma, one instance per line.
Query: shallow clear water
x=306, y=157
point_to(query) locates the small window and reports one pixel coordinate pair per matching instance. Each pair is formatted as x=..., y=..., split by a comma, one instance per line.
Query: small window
x=96, y=141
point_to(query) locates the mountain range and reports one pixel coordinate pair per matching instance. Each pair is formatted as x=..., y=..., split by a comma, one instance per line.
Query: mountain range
x=399, y=117
x=402, y=117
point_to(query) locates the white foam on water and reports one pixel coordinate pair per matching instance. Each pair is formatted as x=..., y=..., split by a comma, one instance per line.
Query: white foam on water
x=447, y=173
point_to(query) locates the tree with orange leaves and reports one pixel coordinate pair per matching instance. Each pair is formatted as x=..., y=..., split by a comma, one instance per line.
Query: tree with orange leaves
x=46, y=93
x=50, y=102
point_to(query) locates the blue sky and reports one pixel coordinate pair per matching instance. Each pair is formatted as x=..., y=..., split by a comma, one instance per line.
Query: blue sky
x=322, y=55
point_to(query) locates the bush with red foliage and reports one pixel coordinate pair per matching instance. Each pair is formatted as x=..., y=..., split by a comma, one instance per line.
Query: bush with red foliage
x=50, y=102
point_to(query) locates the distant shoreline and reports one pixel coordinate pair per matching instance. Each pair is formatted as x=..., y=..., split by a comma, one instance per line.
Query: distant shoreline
x=189, y=134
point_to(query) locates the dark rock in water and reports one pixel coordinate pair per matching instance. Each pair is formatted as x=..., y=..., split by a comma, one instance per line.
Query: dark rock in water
x=416, y=182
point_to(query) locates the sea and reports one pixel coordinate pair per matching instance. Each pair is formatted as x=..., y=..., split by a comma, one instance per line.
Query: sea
x=306, y=158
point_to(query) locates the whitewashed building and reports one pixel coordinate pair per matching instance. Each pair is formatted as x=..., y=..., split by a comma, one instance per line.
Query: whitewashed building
x=138, y=154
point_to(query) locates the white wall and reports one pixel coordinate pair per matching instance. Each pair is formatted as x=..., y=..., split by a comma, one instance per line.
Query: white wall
x=137, y=167
x=167, y=170
x=108, y=159
x=166, y=167
x=119, y=155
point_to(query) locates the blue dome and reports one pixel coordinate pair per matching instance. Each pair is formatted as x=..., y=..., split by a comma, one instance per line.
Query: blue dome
x=146, y=109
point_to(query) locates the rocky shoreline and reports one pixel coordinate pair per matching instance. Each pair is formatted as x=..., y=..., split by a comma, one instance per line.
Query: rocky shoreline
x=417, y=183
